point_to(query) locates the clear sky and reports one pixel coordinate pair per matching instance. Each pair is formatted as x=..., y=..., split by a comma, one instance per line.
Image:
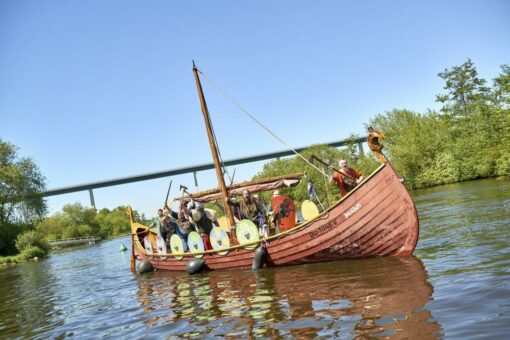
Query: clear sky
x=96, y=90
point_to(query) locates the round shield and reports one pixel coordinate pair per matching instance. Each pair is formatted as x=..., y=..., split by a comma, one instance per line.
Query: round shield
x=177, y=246
x=161, y=245
x=195, y=244
x=148, y=245
x=219, y=240
x=284, y=212
x=247, y=232
x=309, y=210
x=223, y=221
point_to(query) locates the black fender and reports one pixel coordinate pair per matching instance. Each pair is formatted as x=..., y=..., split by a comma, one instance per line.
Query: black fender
x=195, y=266
x=259, y=258
x=144, y=267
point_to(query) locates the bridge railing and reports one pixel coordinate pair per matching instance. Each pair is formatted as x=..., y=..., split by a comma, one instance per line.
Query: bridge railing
x=76, y=240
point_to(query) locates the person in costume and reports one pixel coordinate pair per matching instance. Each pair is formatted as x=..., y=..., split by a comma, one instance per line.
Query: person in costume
x=165, y=228
x=252, y=208
x=346, y=178
x=204, y=220
x=184, y=225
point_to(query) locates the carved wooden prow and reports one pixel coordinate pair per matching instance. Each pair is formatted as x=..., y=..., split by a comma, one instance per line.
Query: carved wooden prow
x=374, y=145
x=129, y=211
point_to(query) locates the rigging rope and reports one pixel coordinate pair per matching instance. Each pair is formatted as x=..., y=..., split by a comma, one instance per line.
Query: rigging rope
x=258, y=122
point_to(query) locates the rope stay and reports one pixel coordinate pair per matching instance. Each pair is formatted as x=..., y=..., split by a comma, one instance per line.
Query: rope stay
x=226, y=95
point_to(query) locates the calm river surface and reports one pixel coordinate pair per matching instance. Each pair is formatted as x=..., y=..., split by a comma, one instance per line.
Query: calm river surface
x=456, y=286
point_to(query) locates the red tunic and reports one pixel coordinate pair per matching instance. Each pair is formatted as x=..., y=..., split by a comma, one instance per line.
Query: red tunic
x=346, y=181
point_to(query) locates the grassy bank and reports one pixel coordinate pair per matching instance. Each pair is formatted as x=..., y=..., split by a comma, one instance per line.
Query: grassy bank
x=29, y=254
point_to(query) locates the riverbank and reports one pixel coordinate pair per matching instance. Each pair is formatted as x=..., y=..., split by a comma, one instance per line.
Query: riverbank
x=22, y=257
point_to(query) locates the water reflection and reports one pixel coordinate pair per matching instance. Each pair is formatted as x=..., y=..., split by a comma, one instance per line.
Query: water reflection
x=381, y=297
x=27, y=296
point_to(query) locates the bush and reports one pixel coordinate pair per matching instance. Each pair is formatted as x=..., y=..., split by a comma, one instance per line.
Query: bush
x=503, y=165
x=8, y=234
x=31, y=239
x=31, y=252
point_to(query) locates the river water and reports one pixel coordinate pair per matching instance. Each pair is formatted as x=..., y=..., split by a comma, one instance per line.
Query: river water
x=456, y=286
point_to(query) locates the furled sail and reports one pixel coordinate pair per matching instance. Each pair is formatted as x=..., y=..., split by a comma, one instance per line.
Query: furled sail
x=265, y=184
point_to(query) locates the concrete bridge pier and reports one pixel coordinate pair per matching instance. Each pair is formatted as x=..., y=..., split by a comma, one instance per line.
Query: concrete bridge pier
x=196, y=181
x=92, y=203
x=360, y=148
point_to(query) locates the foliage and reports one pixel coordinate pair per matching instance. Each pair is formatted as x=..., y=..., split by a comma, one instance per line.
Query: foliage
x=30, y=239
x=8, y=233
x=26, y=255
x=468, y=139
x=113, y=223
x=20, y=206
x=78, y=221
x=32, y=252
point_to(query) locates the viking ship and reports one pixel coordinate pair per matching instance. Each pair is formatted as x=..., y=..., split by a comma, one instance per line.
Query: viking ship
x=377, y=218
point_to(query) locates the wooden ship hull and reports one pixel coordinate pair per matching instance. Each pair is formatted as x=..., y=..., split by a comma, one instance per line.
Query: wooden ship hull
x=377, y=218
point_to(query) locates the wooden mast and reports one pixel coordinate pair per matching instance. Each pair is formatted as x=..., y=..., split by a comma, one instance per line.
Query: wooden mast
x=214, y=150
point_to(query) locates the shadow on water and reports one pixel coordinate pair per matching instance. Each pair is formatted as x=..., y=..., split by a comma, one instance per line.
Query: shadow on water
x=381, y=297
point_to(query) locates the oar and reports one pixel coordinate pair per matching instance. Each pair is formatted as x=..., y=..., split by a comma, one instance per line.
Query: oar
x=167, y=193
x=322, y=162
x=326, y=164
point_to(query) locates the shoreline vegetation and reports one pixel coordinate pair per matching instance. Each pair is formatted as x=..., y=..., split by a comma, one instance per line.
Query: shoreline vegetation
x=466, y=139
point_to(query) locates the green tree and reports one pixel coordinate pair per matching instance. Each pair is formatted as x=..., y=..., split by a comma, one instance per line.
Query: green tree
x=474, y=112
x=413, y=142
x=469, y=139
x=20, y=206
x=76, y=220
x=113, y=223
x=502, y=117
x=464, y=90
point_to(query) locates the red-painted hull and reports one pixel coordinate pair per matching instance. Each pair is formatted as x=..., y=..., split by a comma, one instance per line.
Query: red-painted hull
x=378, y=218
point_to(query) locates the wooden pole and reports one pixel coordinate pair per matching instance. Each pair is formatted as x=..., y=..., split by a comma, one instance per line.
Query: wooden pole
x=133, y=259
x=214, y=150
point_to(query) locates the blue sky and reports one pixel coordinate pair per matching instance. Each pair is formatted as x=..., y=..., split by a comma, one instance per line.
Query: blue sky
x=96, y=90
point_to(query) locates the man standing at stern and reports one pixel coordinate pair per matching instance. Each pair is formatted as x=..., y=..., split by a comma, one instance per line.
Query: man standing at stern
x=346, y=178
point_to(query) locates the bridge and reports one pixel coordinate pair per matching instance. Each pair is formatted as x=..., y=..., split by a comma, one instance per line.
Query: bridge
x=74, y=241
x=191, y=169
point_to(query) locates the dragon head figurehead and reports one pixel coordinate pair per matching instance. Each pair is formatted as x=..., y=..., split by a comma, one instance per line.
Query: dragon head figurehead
x=374, y=145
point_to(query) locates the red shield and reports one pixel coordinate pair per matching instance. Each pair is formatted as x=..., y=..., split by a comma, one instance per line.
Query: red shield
x=284, y=212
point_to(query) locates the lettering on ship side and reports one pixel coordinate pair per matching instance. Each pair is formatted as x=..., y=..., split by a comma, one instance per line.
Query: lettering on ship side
x=323, y=228
x=352, y=210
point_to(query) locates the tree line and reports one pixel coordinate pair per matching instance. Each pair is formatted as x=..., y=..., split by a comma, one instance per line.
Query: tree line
x=25, y=228
x=467, y=138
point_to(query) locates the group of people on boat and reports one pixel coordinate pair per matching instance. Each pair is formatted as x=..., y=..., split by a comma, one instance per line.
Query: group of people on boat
x=194, y=217
x=191, y=217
